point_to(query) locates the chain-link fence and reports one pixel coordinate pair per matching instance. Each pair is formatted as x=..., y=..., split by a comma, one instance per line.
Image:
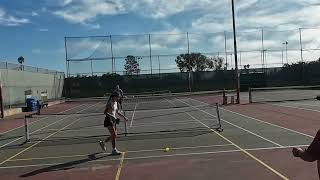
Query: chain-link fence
x=156, y=53
x=265, y=58
x=91, y=86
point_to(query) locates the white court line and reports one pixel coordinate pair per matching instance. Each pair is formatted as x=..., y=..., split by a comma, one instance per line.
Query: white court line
x=164, y=124
x=37, y=121
x=97, y=127
x=170, y=102
x=266, y=122
x=240, y=148
x=244, y=151
x=180, y=148
x=26, y=149
x=164, y=109
x=312, y=105
x=208, y=152
x=298, y=103
x=168, y=122
x=135, y=108
x=160, y=156
x=41, y=128
x=137, y=151
x=81, y=129
x=136, y=125
x=250, y=132
x=295, y=107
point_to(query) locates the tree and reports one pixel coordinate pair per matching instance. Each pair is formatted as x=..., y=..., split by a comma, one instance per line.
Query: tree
x=193, y=62
x=131, y=66
x=218, y=63
x=246, y=68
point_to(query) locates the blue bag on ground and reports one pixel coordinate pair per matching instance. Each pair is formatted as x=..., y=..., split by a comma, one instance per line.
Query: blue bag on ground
x=32, y=104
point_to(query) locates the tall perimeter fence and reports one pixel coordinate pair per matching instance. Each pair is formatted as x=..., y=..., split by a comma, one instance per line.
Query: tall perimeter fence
x=156, y=53
x=20, y=81
x=259, y=51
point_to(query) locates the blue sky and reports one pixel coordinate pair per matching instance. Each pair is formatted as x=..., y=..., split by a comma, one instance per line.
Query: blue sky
x=36, y=29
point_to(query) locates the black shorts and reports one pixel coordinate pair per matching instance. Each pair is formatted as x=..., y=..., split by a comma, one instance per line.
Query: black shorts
x=108, y=122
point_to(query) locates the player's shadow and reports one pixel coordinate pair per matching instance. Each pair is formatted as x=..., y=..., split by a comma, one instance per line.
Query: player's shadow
x=65, y=166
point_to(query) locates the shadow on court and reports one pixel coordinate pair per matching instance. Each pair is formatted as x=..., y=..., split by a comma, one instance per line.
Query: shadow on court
x=64, y=166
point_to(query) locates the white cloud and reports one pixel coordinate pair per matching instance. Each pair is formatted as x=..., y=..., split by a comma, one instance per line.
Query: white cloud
x=36, y=51
x=211, y=16
x=202, y=25
x=164, y=8
x=86, y=47
x=9, y=20
x=244, y=4
x=66, y=2
x=92, y=26
x=43, y=29
x=33, y=13
x=44, y=9
x=83, y=11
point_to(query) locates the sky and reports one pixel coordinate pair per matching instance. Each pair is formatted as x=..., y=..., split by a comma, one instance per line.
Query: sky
x=36, y=30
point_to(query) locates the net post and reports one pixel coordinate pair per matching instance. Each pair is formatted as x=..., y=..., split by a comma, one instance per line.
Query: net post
x=250, y=95
x=126, y=129
x=219, y=129
x=125, y=123
x=26, y=128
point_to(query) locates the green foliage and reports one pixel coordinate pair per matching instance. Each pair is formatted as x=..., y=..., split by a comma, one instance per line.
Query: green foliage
x=194, y=62
x=300, y=73
x=217, y=63
x=131, y=66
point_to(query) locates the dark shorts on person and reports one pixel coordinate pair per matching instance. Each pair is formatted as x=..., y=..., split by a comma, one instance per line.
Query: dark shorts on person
x=314, y=148
x=108, y=122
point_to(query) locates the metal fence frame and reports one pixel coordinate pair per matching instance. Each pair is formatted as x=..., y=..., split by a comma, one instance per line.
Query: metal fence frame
x=227, y=54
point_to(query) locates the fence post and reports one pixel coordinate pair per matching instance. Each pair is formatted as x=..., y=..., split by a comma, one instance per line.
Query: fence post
x=225, y=48
x=26, y=129
x=188, y=43
x=250, y=96
x=150, y=53
x=1, y=98
x=112, y=57
x=302, y=63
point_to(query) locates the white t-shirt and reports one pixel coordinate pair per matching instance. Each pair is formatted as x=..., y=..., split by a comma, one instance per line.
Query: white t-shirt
x=114, y=108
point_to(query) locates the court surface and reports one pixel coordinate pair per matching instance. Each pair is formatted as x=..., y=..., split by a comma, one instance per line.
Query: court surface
x=176, y=143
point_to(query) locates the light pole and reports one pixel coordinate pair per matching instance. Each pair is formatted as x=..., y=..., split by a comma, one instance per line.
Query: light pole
x=282, y=53
x=286, y=51
x=235, y=54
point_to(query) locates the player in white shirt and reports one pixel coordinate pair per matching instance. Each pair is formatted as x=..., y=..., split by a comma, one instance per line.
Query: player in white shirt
x=111, y=111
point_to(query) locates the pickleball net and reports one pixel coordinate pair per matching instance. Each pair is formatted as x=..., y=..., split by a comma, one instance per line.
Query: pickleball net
x=281, y=94
x=166, y=115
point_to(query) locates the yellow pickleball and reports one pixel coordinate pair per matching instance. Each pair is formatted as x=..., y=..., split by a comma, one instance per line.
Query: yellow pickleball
x=167, y=149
